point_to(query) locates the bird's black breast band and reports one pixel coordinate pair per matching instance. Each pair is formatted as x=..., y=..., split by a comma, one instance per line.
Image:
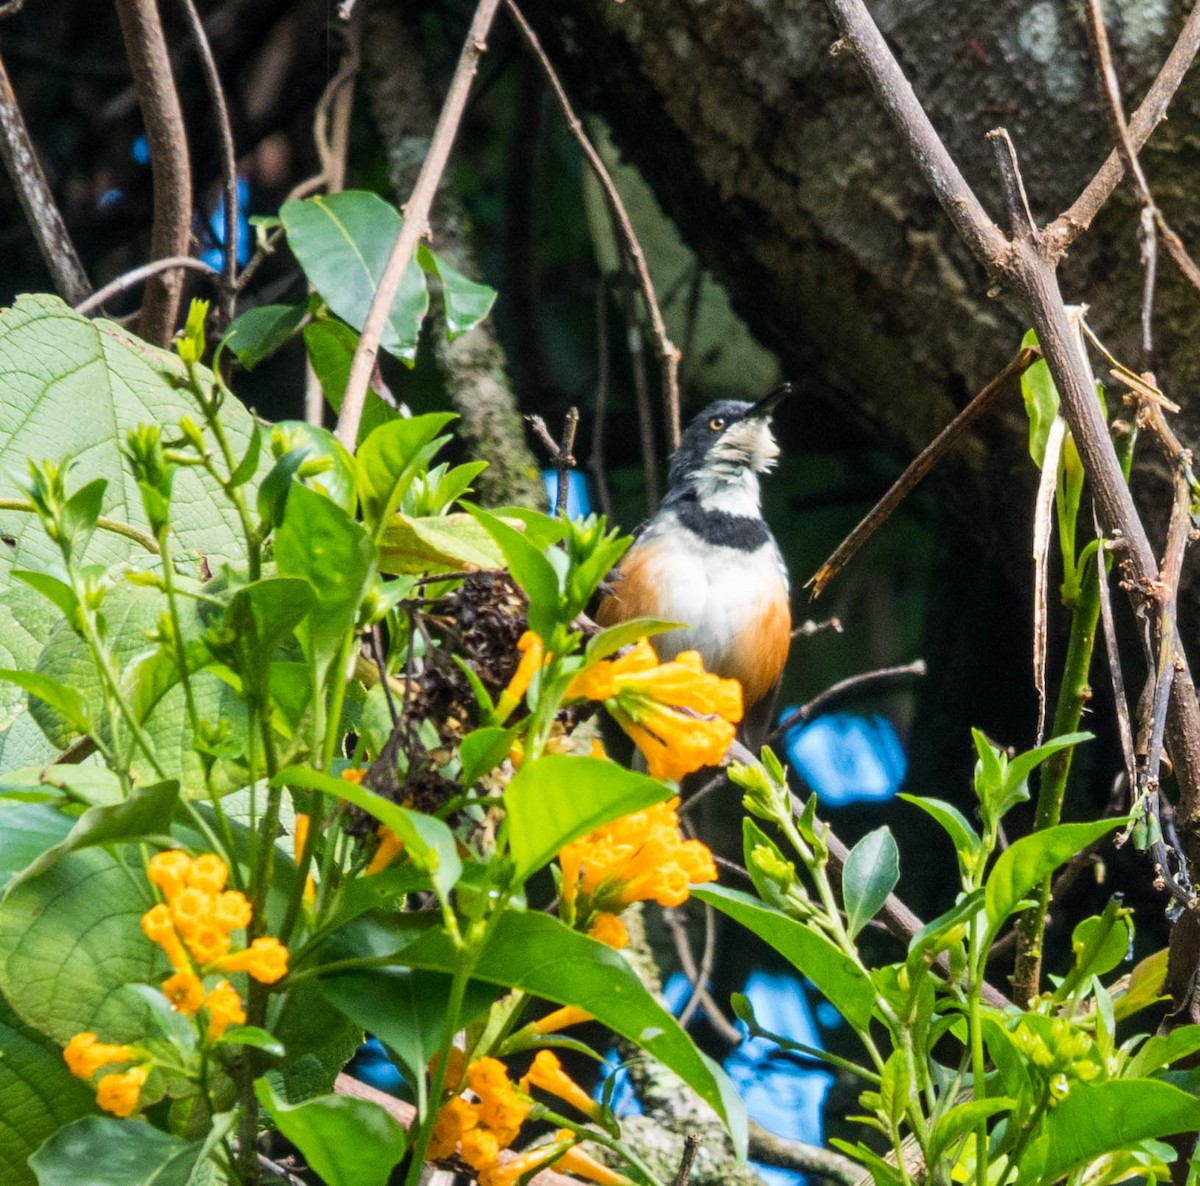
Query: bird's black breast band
x=720, y=528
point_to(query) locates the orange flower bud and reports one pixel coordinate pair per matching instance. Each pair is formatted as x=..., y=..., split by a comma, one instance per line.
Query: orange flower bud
x=454, y=1118
x=533, y=656
x=224, y=1009
x=584, y=1165
x=547, y=1074
x=265, y=960
x=157, y=924
x=119, y=1093
x=560, y=1019
x=507, y=1173
x=85, y=1055
x=390, y=846
x=607, y=928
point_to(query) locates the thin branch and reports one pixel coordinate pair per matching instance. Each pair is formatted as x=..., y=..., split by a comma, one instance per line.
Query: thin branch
x=596, y=460
x=700, y=994
x=561, y=454
x=898, y=99
x=41, y=212
x=1124, y=727
x=691, y=1146
x=229, y=180
x=786, y=1154
x=843, y=688
x=1072, y=222
x=919, y=467
x=1020, y=218
x=667, y=352
x=416, y=218
x=126, y=530
x=154, y=83
x=134, y=277
x=641, y=390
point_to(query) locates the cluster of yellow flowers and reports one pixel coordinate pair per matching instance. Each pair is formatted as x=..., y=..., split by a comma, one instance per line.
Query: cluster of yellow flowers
x=193, y=927
x=481, y=1129
x=640, y=857
x=679, y=715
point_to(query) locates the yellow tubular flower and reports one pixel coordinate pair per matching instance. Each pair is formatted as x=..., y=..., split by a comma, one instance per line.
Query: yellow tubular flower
x=584, y=1165
x=533, y=656
x=231, y=911
x=609, y=929
x=224, y=1009
x=479, y=1148
x=502, y=1109
x=547, y=1074
x=190, y=908
x=169, y=871
x=209, y=874
x=506, y=1173
x=207, y=943
x=390, y=847
x=454, y=1118
x=119, y=1093
x=680, y=716
x=265, y=960
x=185, y=991
x=157, y=924
x=560, y=1019
x=86, y=1054
x=354, y=776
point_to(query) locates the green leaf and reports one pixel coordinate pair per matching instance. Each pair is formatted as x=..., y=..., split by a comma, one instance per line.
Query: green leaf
x=69, y=939
x=530, y=568
x=263, y=615
x=1161, y=1050
x=1113, y=947
x=37, y=1095
x=958, y=914
x=60, y=697
x=80, y=512
x=558, y=798
x=27, y=830
x=94, y=382
x=1098, y=1118
x=1041, y=402
x=331, y=345
x=624, y=634
x=967, y=843
x=346, y=1141
x=466, y=302
x=1147, y=983
x=253, y=1036
x=147, y=812
x=482, y=750
x=320, y=542
x=55, y=590
x=1022, y=865
x=895, y=1087
x=343, y=241
x=963, y=1119
x=435, y=542
x=406, y=1010
x=258, y=333
x=539, y=954
x=103, y=1151
x=390, y=458
x=871, y=871
x=429, y=842
x=837, y=977
x=1023, y=765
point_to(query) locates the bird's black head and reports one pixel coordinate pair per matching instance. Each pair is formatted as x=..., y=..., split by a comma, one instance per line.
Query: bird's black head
x=726, y=441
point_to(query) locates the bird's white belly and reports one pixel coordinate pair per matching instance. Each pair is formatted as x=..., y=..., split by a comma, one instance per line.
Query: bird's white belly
x=717, y=592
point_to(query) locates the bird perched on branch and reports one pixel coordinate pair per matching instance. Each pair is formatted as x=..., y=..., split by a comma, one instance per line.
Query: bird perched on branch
x=707, y=557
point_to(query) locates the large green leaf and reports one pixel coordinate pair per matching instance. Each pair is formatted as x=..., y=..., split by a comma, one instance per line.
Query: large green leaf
x=27, y=830
x=558, y=798
x=390, y=458
x=870, y=873
x=1098, y=1118
x=346, y=1141
x=102, y=1151
x=147, y=812
x=258, y=333
x=1022, y=865
x=69, y=939
x=430, y=543
x=37, y=1095
x=26, y=619
x=322, y=543
x=74, y=386
x=331, y=345
x=539, y=954
x=466, y=302
x=842, y=982
x=343, y=241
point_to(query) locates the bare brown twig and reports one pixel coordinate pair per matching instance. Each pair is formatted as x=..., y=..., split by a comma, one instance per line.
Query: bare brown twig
x=561, y=454
x=600, y=411
x=228, y=287
x=918, y=468
x=136, y=276
x=41, y=211
x=154, y=83
x=415, y=223
x=847, y=687
x=667, y=352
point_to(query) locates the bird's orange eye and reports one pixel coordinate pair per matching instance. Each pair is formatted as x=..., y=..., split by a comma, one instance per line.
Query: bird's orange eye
x=717, y=423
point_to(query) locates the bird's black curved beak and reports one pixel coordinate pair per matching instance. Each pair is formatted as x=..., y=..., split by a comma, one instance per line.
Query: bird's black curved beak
x=766, y=405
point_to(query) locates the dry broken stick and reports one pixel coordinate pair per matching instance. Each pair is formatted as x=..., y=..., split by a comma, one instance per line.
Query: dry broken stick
x=919, y=467
x=562, y=455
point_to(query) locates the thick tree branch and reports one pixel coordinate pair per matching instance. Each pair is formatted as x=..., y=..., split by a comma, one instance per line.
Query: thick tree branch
x=416, y=217
x=154, y=83
x=25, y=170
